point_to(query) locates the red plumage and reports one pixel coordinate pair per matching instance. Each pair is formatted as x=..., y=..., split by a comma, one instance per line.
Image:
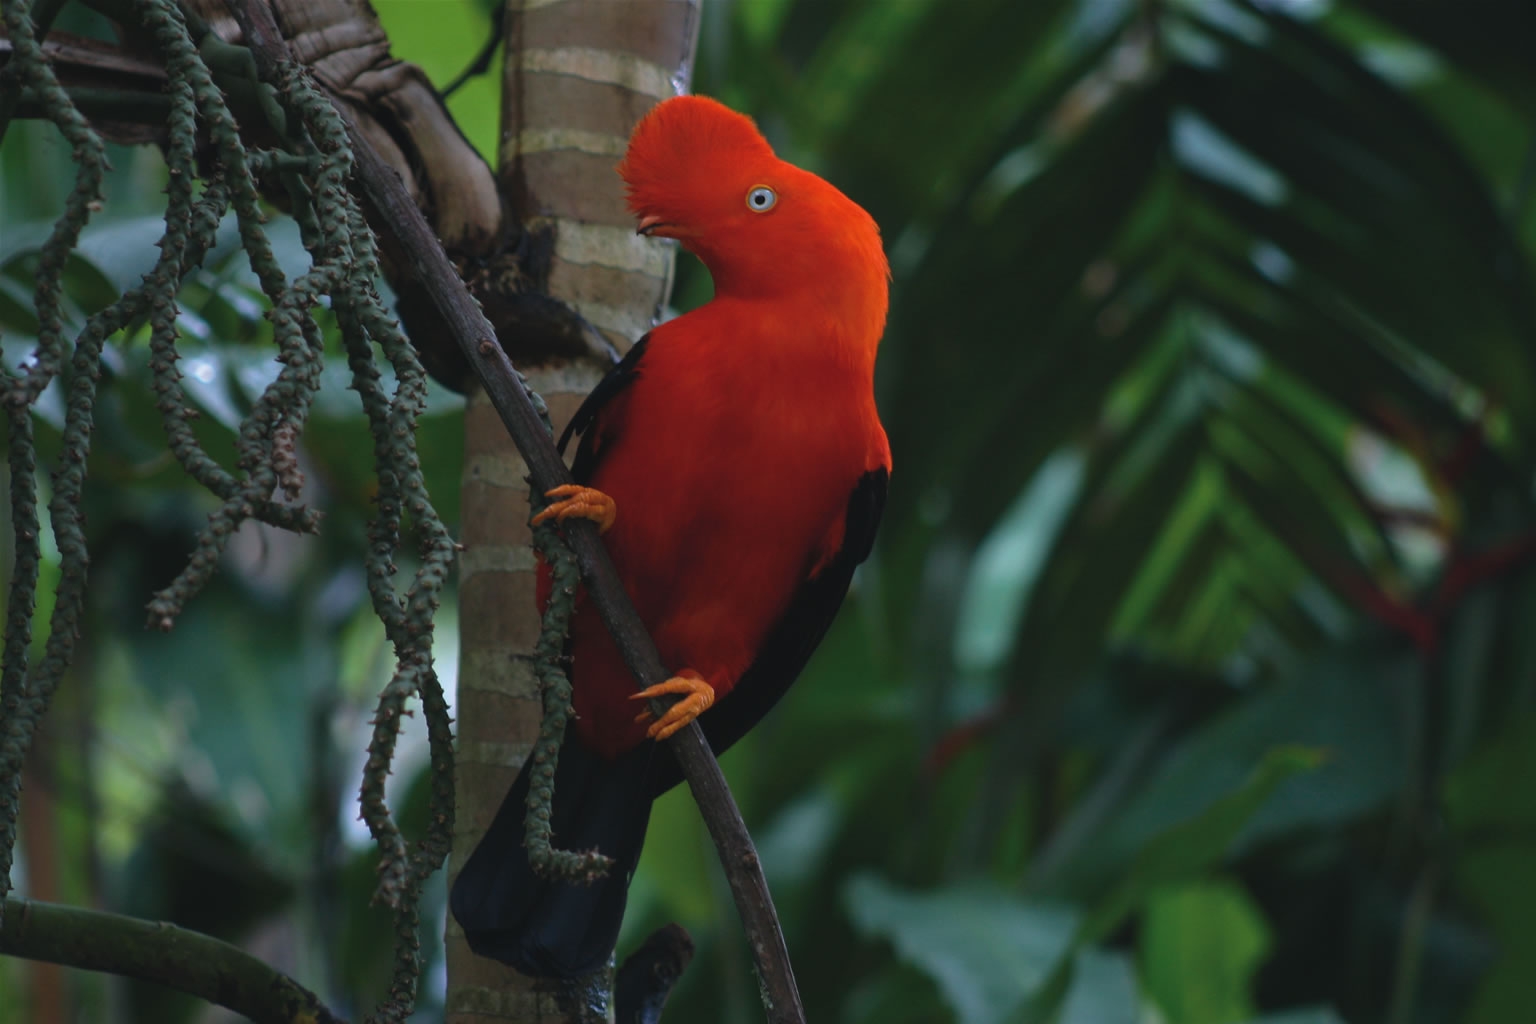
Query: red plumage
x=742, y=449
x=732, y=453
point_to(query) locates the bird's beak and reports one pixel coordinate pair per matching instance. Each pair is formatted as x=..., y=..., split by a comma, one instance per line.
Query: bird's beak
x=653, y=226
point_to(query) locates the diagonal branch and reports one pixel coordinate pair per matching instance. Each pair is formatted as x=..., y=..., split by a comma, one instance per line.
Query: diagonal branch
x=645, y=981
x=154, y=951
x=475, y=336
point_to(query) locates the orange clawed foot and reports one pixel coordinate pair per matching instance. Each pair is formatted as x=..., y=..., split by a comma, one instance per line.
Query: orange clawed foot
x=577, y=502
x=697, y=697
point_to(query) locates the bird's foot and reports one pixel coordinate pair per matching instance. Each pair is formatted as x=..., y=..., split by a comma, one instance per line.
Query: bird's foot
x=697, y=697
x=577, y=502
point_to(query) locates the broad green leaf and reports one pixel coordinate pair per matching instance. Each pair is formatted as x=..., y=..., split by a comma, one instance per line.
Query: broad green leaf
x=1343, y=706
x=1492, y=806
x=1010, y=560
x=1488, y=790
x=1103, y=991
x=1197, y=843
x=209, y=380
x=241, y=699
x=1500, y=880
x=799, y=837
x=986, y=949
x=1200, y=945
x=123, y=250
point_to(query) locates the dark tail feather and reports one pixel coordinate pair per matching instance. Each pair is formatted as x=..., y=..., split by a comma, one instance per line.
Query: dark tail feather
x=548, y=928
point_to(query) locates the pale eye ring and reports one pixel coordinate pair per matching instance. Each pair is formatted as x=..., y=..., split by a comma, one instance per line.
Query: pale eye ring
x=761, y=199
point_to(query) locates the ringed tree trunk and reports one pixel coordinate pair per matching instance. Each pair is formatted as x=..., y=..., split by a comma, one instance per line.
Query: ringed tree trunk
x=578, y=75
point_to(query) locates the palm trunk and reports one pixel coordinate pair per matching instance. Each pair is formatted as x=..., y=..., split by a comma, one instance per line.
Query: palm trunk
x=578, y=75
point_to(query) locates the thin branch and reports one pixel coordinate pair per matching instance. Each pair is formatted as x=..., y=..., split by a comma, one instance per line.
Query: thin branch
x=645, y=981
x=187, y=961
x=504, y=387
x=482, y=62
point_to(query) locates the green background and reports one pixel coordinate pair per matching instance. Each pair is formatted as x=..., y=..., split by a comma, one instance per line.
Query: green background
x=1193, y=677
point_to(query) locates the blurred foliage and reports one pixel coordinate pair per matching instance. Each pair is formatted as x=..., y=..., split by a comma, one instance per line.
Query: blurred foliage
x=1191, y=678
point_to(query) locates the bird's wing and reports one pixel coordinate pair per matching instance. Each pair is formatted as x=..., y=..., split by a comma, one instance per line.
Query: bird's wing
x=795, y=636
x=810, y=612
x=613, y=384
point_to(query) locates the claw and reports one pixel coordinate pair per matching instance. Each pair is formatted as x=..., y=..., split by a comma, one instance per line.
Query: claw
x=697, y=698
x=579, y=502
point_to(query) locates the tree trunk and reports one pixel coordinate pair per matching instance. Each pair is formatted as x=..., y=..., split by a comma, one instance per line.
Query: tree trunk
x=578, y=74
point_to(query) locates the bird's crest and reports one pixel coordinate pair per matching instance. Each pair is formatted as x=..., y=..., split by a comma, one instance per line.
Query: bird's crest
x=687, y=137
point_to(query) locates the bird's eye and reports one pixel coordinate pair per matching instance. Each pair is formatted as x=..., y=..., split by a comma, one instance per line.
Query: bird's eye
x=761, y=199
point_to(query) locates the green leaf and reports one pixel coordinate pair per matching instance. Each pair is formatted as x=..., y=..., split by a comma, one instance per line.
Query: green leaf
x=247, y=706
x=986, y=949
x=1010, y=560
x=1200, y=945
x=1195, y=844
x=1500, y=880
x=1103, y=548
x=209, y=379
x=1492, y=806
x=1344, y=704
x=1183, y=525
x=1491, y=789
x=799, y=837
x=1103, y=991
x=123, y=250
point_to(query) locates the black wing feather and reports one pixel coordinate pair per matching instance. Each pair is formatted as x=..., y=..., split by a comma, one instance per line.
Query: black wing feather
x=614, y=382
x=805, y=622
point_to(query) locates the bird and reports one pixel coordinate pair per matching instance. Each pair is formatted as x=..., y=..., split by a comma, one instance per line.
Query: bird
x=736, y=466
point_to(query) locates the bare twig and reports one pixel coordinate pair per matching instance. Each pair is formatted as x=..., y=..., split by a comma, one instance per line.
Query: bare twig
x=187, y=961
x=482, y=62
x=504, y=387
x=649, y=973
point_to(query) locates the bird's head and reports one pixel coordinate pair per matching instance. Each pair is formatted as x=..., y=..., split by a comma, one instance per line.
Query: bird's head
x=703, y=174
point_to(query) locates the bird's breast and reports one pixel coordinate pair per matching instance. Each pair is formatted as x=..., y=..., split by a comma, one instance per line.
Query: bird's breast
x=731, y=474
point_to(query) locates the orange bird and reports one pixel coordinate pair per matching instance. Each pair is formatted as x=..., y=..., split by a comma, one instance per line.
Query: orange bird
x=737, y=466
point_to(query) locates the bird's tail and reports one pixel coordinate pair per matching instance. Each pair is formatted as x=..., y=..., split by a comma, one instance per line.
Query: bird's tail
x=549, y=928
